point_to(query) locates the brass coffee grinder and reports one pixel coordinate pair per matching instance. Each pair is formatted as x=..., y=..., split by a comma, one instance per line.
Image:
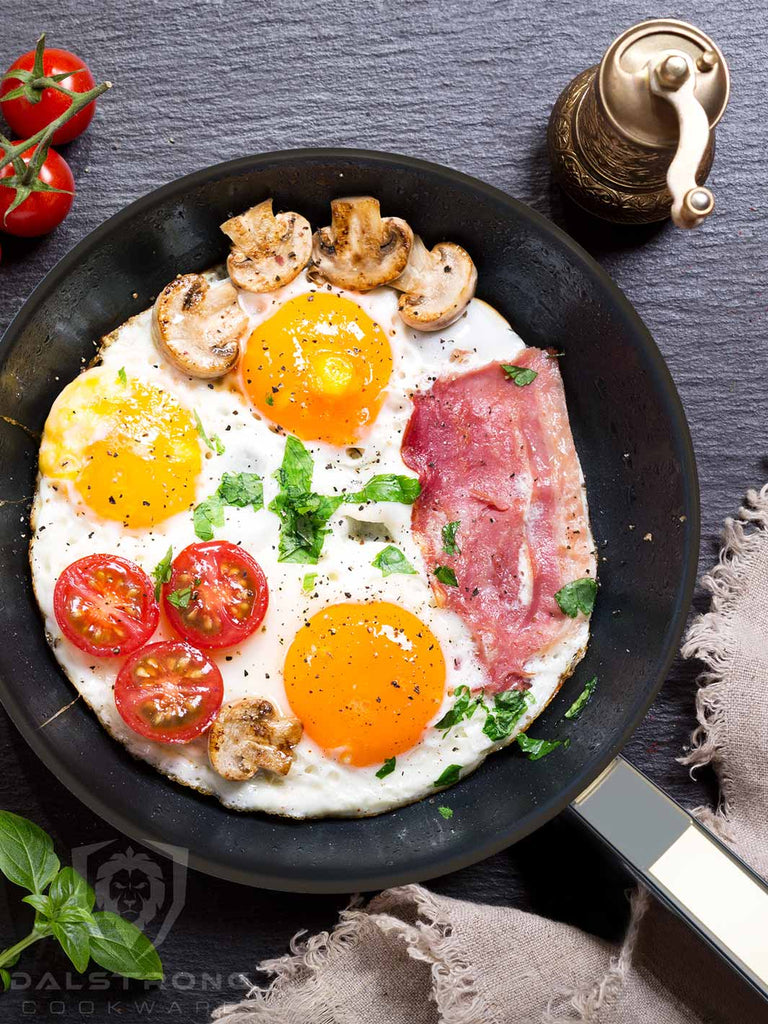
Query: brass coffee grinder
x=632, y=140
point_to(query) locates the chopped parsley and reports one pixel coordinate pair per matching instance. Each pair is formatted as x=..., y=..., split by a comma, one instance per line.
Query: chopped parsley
x=308, y=582
x=578, y=596
x=162, y=572
x=386, y=769
x=391, y=560
x=464, y=706
x=447, y=812
x=450, y=547
x=241, y=489
x=521, y=375
x=446, y=575
x=303, y=513
x=121, y=375
x=207, y=515
x=507, y=710
x=582, y=700
x=535, y=749
x=213, y=442
x=269, y=399
x=181, y=598
x=388, y=487
x=449, y=776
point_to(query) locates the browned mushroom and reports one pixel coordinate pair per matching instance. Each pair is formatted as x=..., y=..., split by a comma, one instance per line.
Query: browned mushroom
x=360, y=250
x=198, y=326
x=249, y=734
x=268, y=250
x=437, y=285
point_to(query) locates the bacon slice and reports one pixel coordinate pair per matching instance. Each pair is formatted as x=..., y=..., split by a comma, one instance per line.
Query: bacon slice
x=500, y=459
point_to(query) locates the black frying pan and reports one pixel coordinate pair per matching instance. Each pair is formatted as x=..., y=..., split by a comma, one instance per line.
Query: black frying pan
x=630, y=432
x=636, y=451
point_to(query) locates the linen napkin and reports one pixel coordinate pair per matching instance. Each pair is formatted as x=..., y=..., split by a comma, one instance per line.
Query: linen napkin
x=412, y=957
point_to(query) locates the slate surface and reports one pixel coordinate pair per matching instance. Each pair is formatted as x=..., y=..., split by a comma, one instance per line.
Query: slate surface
x=471, y=86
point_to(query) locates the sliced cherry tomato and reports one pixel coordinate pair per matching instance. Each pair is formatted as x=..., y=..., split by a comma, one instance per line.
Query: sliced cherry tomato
x=105, y=605
x=217, y=594
x=40, y=212
x=169, y=692
x=26, y=118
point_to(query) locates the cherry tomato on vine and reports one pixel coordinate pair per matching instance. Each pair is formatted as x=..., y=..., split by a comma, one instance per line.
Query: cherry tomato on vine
x=217, y=594
x=105, y=605
x=40, y=212
x=169, y=692
x=26, y=118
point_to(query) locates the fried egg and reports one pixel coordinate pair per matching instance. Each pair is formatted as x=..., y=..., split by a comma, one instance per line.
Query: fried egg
x=368, y=662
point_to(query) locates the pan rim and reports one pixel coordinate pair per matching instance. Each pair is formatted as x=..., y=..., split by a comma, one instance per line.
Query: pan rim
x=479, y=849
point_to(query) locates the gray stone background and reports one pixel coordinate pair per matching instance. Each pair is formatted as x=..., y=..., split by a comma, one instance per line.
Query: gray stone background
x=467, y=83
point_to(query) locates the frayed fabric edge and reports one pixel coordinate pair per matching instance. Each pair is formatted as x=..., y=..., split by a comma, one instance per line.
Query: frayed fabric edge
x=710, y=639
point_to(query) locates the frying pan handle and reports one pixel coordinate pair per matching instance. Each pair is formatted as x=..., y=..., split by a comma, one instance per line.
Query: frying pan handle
x=684, y=864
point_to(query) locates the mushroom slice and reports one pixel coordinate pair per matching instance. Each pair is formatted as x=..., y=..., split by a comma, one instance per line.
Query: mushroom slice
x=437, y=286
x=360, y=250
x=249, y=734
x=199, y=326
x=268, y=250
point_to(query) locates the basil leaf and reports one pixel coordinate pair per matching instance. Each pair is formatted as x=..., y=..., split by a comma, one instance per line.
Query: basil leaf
x=74, y=939
x=582, y=700
x=464, y=707
x=303, y=514
x=119, y=946
x=446, y=812
x=508, y=709
x=578, y=596
x=308, y=583
x=207, y=515
x=391, y=560
x=72, y=915
x=521, y=375
x=5, y=979
x=386, y=769
x=446, y=575
x=162, y=572
x=242, y=489
x=449, y=776
x=295, y=473
x=26, y=853
x=535, y=749
x=42, y=904
x=450, y=547
x=213, y=442
x=180, y=598
x=121, y=375
x=388, y=487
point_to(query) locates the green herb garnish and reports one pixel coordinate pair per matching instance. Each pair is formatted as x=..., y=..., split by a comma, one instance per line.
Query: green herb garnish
x=446, y=812
x=65, y=912
x=464, y=706
x=450, y=547
x=162, y=572
x=207, y=515
x=303, y=513
x=122, y=376
x=388, y=487
x=578, y=596
x=386, y=769
x=582, y=700
x=535, y=749
x=449, y=776
x=308, y=582
x=508, y=708
x=213, y=442
x=521, y=375
x=391, y=560
x=241, y=489
x=269, y=399
x=446, y=575
x=180, y=598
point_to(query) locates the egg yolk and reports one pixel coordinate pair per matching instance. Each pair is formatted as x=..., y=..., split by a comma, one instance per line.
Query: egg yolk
x=318, y=367
x=130, y=449
x=364, y=679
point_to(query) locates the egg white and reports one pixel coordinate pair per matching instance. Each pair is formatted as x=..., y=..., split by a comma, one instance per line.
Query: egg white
x=317, y=785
